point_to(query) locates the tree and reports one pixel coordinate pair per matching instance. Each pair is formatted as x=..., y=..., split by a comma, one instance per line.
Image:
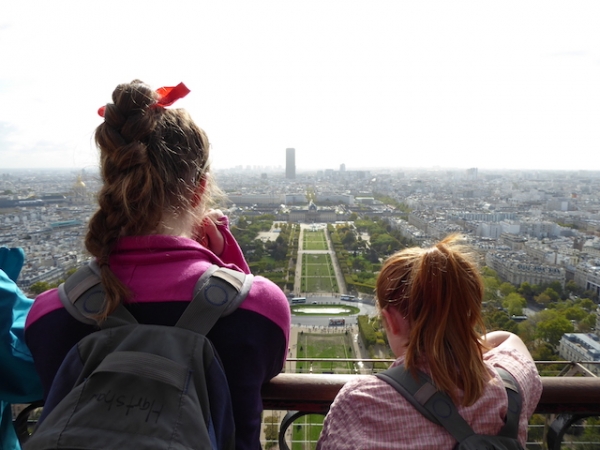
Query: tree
x=526, y=290
x=488, y=272
x=574, y=313
x=550, y=292
x=271, y=431
x=349, y=239
x=587, y=324
x=557, y=287
x=543, y=299
x=552, y=325
x=536, y=433
x=590, y=434
x=491, y=288
x=586, y=304
x=39, y=287
x=543, y=352
x=526, y=331
x=499, y=320
x=514, y=303
x=372, y=256
x=358, y=263
x=571, y=288
x=507, y=288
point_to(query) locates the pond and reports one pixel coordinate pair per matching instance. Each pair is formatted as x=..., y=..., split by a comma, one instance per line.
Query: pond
x=329, y=310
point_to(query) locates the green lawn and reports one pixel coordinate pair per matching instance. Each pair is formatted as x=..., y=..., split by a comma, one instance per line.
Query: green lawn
x=325, y=346
x=318, y=274
x=314, y=240
x=306, y=432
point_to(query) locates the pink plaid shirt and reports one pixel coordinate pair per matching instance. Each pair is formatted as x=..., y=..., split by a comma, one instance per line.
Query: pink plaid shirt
x=370, y=414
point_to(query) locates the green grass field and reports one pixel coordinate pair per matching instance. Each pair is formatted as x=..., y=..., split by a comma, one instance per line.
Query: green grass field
x=306, y=431
x=314, y=240
x=318, y=274
x=324, y=346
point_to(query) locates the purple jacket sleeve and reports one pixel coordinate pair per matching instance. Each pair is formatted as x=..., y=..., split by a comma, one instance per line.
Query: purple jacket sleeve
x=232, y=253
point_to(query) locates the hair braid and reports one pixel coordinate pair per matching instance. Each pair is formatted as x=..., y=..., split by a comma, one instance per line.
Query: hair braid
x=152, y=159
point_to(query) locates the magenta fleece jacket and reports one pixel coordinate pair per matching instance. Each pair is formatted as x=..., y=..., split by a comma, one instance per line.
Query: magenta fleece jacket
x=161, y=272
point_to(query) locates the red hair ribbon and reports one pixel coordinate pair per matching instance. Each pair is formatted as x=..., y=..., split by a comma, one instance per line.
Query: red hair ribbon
x=166, y=96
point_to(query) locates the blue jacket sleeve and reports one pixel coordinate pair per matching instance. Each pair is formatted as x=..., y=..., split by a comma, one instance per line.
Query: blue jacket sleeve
x=19, y=382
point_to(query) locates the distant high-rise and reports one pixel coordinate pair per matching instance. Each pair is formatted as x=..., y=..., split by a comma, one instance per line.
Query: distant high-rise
x=290, y=163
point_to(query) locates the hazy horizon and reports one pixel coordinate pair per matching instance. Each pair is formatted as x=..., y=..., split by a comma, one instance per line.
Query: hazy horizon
x=299, y=171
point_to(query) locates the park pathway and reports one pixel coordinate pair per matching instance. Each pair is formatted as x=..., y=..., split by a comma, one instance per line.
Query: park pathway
x=341, y=282
x=298, y=277
x=339, y=276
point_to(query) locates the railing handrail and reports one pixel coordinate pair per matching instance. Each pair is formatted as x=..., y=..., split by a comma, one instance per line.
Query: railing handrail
x=315, y=393
x=572, y=398
x=390, y=360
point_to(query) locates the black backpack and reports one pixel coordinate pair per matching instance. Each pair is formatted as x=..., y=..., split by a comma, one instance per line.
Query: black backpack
x=440, y=409
x=143, y=386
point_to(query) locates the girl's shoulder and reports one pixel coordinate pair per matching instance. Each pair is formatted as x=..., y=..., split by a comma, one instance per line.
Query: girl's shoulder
x=523, y=370
x=267, y=299
x=43, y=304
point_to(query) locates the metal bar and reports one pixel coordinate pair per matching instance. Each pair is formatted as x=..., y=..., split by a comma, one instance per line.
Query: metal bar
x=315, y=392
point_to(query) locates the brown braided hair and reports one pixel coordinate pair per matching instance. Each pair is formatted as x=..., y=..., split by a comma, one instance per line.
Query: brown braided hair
x=152, y=161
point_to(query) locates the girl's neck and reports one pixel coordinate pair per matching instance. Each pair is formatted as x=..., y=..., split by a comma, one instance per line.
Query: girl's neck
x=176, y=225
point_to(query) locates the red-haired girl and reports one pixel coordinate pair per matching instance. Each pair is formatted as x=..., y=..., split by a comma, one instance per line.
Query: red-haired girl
x=430, y=303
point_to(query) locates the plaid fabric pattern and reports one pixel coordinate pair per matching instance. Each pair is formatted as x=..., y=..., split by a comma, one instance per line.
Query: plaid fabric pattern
x=370, y=414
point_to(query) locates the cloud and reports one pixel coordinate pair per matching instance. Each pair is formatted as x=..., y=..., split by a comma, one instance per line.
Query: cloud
x=572, y=54
x=15, y=153
x=6, y=131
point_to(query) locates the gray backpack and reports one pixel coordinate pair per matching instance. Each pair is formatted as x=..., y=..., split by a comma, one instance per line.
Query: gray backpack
x=134, y=385
x=440, y=409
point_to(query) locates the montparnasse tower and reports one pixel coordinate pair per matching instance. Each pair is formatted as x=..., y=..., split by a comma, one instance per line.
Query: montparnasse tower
x=290, y=163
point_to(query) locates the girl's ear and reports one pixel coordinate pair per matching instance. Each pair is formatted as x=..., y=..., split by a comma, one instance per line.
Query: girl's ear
x=394, y=322
x=397, y=330
x=389, y=321
x=199, y=192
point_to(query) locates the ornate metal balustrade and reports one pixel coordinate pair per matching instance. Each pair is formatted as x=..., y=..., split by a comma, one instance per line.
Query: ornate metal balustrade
x=568, y=398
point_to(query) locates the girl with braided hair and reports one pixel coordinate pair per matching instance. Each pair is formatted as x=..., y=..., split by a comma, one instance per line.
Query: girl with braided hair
x=153, y=235
x=430, y=305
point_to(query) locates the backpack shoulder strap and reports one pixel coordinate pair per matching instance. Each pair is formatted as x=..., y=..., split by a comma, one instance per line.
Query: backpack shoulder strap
x=82, y=295
x=433, y=404
x=218, y=292
x=515, y=402
x=440, y=409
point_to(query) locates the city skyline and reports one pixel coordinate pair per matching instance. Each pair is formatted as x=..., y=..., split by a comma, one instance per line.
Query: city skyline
x=385, y=84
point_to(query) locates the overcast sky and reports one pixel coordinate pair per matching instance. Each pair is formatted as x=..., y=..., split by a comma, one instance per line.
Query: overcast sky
x=510, y=84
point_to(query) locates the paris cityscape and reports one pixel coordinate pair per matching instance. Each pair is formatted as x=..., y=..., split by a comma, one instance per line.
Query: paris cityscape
x=530, y=228
x=404, y=122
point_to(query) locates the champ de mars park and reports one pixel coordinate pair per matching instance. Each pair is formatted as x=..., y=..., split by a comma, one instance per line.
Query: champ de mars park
x=324, y=325
x=328, y=272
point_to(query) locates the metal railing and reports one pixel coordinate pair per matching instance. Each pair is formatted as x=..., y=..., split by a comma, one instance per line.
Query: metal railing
x=573, y=396
x=567, y=398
